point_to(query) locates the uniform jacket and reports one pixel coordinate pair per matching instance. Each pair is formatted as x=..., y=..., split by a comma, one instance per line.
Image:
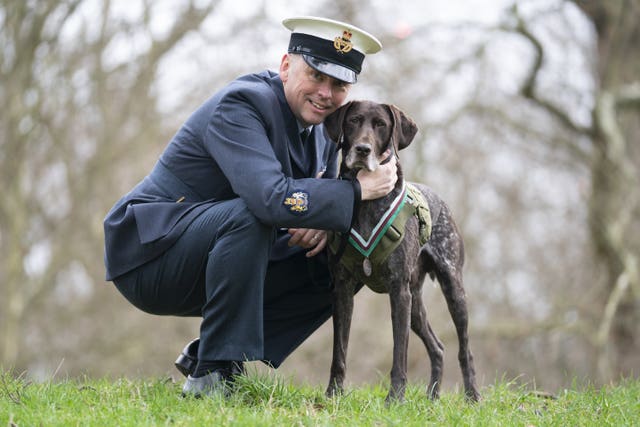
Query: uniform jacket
x=242, y=142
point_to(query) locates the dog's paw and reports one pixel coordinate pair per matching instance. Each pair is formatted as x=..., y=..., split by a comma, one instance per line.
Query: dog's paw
x=333, y=391
x=393, y=399
x=472, y=395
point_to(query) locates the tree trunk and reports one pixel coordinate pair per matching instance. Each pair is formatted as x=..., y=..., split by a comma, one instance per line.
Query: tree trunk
x=614, y=198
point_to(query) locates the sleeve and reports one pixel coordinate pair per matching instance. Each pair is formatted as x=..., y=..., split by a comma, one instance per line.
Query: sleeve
x=237, y=137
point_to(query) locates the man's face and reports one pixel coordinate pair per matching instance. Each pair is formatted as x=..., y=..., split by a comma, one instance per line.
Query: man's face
x=311, y=95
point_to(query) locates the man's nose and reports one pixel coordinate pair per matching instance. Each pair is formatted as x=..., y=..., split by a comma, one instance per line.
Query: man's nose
x=326, y=89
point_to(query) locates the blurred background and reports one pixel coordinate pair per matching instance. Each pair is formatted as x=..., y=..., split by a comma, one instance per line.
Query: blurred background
x=529, y=128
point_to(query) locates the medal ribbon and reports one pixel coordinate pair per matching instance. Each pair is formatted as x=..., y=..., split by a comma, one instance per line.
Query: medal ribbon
x=366, y=246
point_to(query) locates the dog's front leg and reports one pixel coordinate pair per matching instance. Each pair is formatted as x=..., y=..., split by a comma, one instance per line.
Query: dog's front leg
x=342, y=311
x=400, y=298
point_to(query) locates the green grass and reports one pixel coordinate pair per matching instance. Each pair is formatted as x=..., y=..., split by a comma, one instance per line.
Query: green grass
x=269, y=400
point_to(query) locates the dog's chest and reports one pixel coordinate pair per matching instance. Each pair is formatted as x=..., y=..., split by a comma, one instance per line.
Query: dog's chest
x=369, y=217
x=372, y=239
x=370, y=249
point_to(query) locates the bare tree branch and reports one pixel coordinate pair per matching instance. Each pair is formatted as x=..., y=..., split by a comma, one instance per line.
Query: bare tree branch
x=576, y=151
x=628, y=278
x=628, y=96
x=529, y=85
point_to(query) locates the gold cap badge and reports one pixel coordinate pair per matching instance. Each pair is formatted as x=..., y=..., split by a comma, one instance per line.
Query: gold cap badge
x=343, y=44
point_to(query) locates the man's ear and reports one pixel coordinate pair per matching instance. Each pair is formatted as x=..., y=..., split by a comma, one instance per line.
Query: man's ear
x=334, y=121
x=404, y=128
x=285, y=66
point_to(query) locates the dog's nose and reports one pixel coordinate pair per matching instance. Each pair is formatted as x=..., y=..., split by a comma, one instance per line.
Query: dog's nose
x=363, y=149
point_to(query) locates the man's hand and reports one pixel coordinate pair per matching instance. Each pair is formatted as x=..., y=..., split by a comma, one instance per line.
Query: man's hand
x=380, y=182
x=308, y=238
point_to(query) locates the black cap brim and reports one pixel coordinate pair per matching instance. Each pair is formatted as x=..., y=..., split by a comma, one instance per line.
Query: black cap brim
x=329, y=68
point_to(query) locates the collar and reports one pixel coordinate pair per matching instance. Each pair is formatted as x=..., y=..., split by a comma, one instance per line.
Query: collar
x=301, y=128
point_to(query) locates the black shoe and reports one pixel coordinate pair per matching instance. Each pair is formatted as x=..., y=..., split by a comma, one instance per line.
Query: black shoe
x=216, y=383
x=188, y=359
x=237, y=368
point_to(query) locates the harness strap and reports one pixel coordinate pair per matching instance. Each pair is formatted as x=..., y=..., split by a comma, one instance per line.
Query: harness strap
x=422, y=212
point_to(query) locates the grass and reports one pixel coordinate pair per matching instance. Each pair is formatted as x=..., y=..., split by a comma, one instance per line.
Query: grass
x=269, y=400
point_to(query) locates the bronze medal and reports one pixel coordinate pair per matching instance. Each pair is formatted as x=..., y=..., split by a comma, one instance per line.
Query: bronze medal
x=366, y=267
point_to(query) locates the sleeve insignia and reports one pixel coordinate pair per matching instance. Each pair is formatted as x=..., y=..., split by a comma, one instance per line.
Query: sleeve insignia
x=298, y=202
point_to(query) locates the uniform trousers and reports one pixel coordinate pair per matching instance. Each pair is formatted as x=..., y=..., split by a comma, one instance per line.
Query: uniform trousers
x=219, y=269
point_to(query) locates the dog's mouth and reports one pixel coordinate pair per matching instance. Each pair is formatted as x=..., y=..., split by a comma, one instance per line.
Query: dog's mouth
x=356, y=160
x=356, y=166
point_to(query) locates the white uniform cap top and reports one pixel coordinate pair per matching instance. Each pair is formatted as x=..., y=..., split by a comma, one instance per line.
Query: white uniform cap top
x=332, y=47
x=329, y=29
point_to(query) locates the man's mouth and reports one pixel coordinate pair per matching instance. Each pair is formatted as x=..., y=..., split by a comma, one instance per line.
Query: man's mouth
x=319, y=106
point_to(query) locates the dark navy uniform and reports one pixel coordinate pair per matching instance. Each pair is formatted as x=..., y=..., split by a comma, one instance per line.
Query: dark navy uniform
x=204, y=234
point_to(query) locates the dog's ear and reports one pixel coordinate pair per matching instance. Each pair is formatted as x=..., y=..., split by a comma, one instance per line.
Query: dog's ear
x=334, y=121
x=404, y=128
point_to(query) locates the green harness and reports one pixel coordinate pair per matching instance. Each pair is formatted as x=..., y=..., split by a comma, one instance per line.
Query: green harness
x=366, y=255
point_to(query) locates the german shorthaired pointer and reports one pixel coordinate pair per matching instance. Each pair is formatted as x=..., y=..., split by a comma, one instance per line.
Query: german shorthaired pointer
x=364, y=131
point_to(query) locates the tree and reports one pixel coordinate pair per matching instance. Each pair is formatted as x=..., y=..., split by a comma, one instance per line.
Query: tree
x=80, y=107
x=613, y=203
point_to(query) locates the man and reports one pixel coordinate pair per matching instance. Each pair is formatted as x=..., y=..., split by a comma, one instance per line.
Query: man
x=230, y=224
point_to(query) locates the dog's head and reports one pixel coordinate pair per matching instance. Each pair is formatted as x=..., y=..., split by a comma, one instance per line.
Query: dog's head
x=364, y=130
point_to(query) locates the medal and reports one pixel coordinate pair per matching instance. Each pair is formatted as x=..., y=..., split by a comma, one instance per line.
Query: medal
x=366, y=267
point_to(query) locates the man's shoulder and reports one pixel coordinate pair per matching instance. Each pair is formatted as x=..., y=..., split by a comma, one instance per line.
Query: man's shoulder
x=264, y=76
x=261, y=91
x=266, y=83
x=258, y=88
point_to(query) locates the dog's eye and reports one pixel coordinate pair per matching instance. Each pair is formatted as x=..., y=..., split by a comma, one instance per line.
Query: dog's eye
x=354, y=120
x=379, y=123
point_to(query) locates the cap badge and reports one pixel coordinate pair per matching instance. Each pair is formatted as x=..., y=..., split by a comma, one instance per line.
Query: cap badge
x=298, y=202
x=343, y=44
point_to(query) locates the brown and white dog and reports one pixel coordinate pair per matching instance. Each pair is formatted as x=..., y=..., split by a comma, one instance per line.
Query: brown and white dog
x=365, y=130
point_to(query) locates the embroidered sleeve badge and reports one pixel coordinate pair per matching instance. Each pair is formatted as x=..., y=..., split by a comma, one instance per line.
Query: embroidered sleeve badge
x=298, y=202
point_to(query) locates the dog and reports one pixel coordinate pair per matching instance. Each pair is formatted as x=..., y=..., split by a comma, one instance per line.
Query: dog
x=364, y=131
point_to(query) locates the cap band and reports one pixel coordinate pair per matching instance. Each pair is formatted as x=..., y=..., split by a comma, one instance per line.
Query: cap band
x=326, y=50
